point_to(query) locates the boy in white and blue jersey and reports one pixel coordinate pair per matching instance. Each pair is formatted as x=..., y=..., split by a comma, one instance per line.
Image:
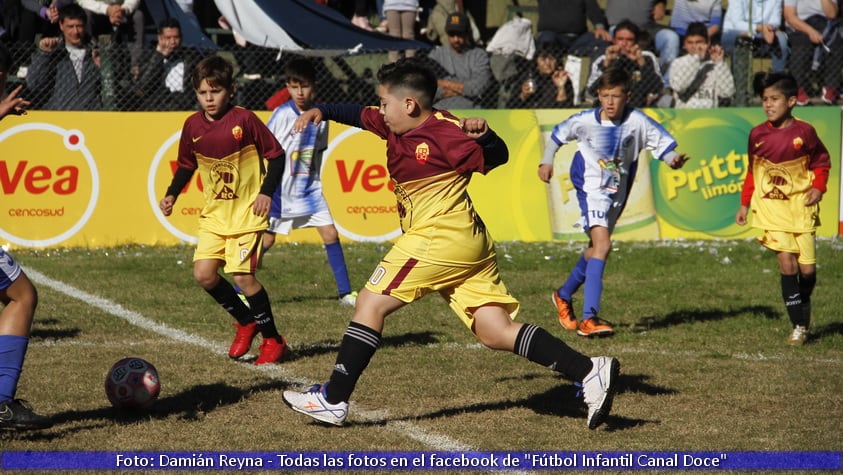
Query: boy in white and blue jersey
x=298, y=201
x=609, y=140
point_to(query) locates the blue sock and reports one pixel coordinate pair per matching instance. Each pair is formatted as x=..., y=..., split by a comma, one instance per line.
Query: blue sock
x=12, y=352
x=337, y=261
x=593, y=287
x=575, y=280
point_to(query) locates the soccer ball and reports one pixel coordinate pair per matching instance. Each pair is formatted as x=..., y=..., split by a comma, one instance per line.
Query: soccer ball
x=132, y=383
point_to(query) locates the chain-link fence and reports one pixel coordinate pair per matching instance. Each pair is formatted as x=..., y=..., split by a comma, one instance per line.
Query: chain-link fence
x=259, y=72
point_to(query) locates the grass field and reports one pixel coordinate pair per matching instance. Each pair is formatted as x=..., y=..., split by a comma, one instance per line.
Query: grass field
x=700, y=326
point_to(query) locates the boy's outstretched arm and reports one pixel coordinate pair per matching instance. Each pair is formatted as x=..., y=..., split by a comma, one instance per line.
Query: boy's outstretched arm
x=12, y=104
x=495, y=151
x=679, y=161
x=348, y=114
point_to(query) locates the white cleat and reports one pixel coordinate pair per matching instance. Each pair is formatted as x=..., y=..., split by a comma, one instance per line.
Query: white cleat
x=599, y=389
x=312, y=402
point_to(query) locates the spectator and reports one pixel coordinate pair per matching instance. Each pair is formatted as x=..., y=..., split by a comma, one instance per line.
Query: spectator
x=164, y=82
x=564, y=24
x=765, y=31
x=709, y=12
x=701, y=79
x=546, y=85
x=360, y=18
x=65, y=72
x=434, y=30
x=816, y=46
x=123, y=20
x=39, y=17
x=642, y=66
x=461, y=67
x=401, y=21
x=646, y=14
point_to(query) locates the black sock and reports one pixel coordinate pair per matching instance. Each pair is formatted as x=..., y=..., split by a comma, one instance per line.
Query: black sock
x=539, y=346
x=793, y=299
x=358, y=346
x=225, y=295
x=262, y=313
x=807, y=282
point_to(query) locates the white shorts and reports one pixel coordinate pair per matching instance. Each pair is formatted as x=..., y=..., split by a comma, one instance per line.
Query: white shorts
x=285, y=225
x=598, y=210
x=9, y=270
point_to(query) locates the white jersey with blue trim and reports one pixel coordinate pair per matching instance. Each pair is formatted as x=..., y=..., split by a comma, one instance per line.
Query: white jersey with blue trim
x=10, y=270
x=300, y=191
x=606, y=160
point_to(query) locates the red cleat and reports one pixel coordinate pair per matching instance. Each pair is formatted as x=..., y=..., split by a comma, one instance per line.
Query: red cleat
x=273, y=350
x=243, y=339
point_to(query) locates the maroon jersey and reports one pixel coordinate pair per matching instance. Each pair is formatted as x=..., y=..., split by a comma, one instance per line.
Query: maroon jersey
x=784, y=164
x=228, y=153
x=430, y=166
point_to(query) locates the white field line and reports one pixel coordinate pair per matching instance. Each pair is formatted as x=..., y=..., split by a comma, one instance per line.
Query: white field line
x=406, y=429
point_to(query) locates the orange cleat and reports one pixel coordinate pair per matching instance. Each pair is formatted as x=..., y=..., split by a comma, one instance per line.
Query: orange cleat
x=565, y=312
x=594, y=327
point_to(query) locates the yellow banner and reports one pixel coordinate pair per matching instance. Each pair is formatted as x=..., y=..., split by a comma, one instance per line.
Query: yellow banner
x=90, y=179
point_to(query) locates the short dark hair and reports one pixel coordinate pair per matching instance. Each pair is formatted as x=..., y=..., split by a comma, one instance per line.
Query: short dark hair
x=216, y=70
x=784, y=82
x=168, y=23
x=411, y=74
x=697, y=28
x=74, y=12
x=629, y=26
x=613, y=77
x=300, y=70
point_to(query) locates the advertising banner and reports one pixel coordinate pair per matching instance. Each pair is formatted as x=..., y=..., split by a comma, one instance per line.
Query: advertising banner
x=93, y=179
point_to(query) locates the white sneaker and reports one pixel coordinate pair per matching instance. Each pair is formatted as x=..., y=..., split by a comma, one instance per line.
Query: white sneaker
x=349, y=299
x=798, y=336
x=599, y=389
x=313, y=403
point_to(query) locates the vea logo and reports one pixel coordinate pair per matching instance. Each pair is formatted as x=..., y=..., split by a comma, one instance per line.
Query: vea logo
x=185, y=218
x=355, y=182
x=50, y=193
x=357, y=186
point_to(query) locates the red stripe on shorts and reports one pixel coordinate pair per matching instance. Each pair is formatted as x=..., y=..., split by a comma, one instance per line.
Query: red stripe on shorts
x=399, y=277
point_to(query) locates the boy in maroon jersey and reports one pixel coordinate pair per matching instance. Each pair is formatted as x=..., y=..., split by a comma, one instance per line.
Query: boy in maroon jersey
x=445, y=246
x=785, y=181
x=227, y=145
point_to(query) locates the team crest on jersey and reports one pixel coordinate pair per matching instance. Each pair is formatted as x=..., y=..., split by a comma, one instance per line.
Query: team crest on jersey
x=422, y=152
x=777, y=184
x=237, y=133
x=224, y=178
x=798, y=143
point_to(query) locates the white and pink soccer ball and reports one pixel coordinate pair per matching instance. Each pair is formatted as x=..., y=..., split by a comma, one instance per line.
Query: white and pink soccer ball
x=132, y=383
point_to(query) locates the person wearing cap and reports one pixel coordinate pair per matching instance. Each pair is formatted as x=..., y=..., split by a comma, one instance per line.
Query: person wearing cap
x=462, y=69
x=563, y=24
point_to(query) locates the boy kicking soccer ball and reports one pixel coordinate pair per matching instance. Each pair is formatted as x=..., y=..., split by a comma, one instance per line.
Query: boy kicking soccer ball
x=445, y=247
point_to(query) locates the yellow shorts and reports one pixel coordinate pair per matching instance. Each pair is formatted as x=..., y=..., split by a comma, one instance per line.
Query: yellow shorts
x=240, y=252
x=801, y=244
x=463, y=287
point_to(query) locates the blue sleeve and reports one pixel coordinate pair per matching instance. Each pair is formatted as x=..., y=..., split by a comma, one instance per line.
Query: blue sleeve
x=348, y=114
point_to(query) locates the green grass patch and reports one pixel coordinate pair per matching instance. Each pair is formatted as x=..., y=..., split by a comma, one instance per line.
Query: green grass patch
x=700, y=325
